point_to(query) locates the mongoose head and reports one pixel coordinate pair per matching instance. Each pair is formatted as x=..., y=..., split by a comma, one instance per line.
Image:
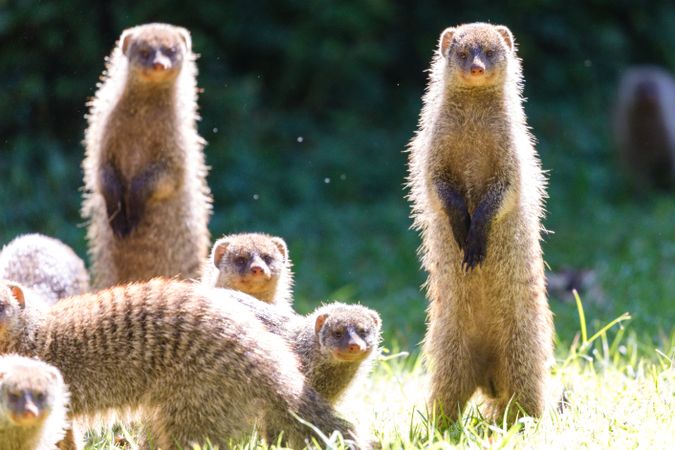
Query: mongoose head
x=155, y=51
x=28, y=390
x=477, y=54
x=251, y=263
x=348, y=333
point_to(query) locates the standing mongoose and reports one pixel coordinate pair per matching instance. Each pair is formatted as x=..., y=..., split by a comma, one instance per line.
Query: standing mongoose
x=254, y=263
x=171, y=351
x=477, y=189
x=45, y=265
x=33, y=400
x=335, y=344
x=146, y=196
x=644, y=126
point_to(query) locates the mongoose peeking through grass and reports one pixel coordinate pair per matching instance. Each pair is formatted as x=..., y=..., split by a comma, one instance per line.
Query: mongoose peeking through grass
x=33, y=401
x=146, y=195
x=477, y=190
x=194, y=365
x=336, y=344
x=255, y=263
x=44, y=264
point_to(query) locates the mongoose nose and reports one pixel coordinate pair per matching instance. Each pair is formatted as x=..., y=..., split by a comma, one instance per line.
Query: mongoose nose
x=158, y=66
x=257, y=270
x=354, y=348
x=29, y=414
x=25, y=416
x=477, y=70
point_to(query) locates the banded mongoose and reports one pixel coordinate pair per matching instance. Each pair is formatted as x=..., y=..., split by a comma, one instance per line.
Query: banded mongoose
x=170, y=350
x=45, y=265
x=477, y=190
x=336, y=344
x=33, y=404
x=255, y=263
x=146, y=196
x=644, y=126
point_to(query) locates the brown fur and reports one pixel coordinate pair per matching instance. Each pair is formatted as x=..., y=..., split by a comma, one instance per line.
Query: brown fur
x=145, y=178
x=254, y=263
x=336, y=344
x=331, y=364
x=644, y=126
x=44, y=264
x=476, y=189
x=33, y=401
x=171, y=353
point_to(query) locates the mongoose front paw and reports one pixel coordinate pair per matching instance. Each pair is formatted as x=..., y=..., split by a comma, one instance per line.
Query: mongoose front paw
x=460, y=230
x=133, y=219
x=119, y=223
x=474, y=252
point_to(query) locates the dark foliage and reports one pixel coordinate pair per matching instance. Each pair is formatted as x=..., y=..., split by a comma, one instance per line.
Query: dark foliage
x=308, y=106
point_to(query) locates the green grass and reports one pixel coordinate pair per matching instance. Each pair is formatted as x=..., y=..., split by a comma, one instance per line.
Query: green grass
x=619, y=394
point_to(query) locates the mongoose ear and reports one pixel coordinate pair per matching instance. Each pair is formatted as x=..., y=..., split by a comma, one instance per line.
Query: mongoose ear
x=281, y=245
x=54, y=374
x=17, y=293
x=445, y=41
x=320, y=320
x=125, y=40
x=376, y=318
x=185, y=37
x=506, y=35
x=219, y=249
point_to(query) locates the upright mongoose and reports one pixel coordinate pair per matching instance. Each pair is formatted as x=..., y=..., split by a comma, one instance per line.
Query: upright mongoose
x=171, y=351
x=477, y=189
x=33, y=400
x=254, y=263
x=335, y=344
x=45, y=265
x=145, y=179
x=644, y=126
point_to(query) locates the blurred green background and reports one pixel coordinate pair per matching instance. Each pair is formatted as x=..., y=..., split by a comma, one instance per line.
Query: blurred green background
x=307, y=108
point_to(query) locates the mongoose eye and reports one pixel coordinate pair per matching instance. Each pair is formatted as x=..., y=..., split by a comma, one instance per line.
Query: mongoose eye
x=240, y=261
x=267, y=259
x=337, y=334
x=144, y=53
x=462, y=55
x=489, y=53
x=169, y=51
x=13, y=397
x=40, y=397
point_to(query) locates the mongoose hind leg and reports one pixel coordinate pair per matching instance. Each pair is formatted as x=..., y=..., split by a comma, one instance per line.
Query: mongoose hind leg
x=520, y=378
x=452, y=374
